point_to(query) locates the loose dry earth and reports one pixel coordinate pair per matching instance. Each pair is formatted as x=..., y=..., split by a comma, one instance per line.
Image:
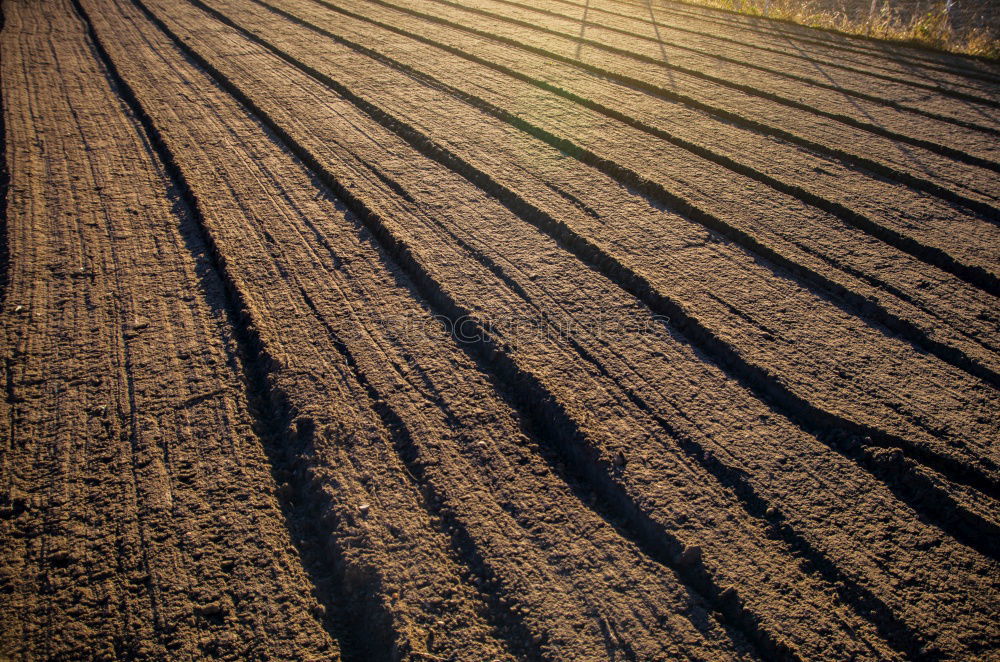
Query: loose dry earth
x=493, y=329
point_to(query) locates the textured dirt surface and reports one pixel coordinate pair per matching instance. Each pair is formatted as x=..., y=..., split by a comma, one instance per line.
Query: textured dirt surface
x=493, y=330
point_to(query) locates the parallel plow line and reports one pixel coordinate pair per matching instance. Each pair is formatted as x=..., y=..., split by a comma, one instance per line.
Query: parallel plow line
x=523, y=386
x=506, y=622
x=270, y=408
x=350, y=598
x=543, y=412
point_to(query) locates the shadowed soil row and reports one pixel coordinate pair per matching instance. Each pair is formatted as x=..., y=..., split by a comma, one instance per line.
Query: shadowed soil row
x=852, y=195
x=417, y=437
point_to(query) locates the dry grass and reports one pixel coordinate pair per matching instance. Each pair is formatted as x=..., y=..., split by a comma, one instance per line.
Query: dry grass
x=932, y=28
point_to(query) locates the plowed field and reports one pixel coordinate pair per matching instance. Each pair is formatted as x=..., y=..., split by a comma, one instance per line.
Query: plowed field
x=493, y=330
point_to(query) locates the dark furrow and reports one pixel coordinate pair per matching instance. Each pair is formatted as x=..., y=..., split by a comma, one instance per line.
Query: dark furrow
x=408, y=450
x=859, y=597
x=270, y=409
x=802, y=79
x=507, y=625
x=944, y=150
x=936, y=257
x=906, y=480
x=837, y=65
x=128, y=414
x=863, y=45
x=532, y=399
x=987, y=211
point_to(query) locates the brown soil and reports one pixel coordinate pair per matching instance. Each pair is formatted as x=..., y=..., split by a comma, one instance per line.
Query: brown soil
x=493, y=329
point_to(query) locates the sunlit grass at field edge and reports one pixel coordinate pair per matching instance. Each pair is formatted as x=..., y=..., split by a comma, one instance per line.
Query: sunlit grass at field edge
x=930, y=29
